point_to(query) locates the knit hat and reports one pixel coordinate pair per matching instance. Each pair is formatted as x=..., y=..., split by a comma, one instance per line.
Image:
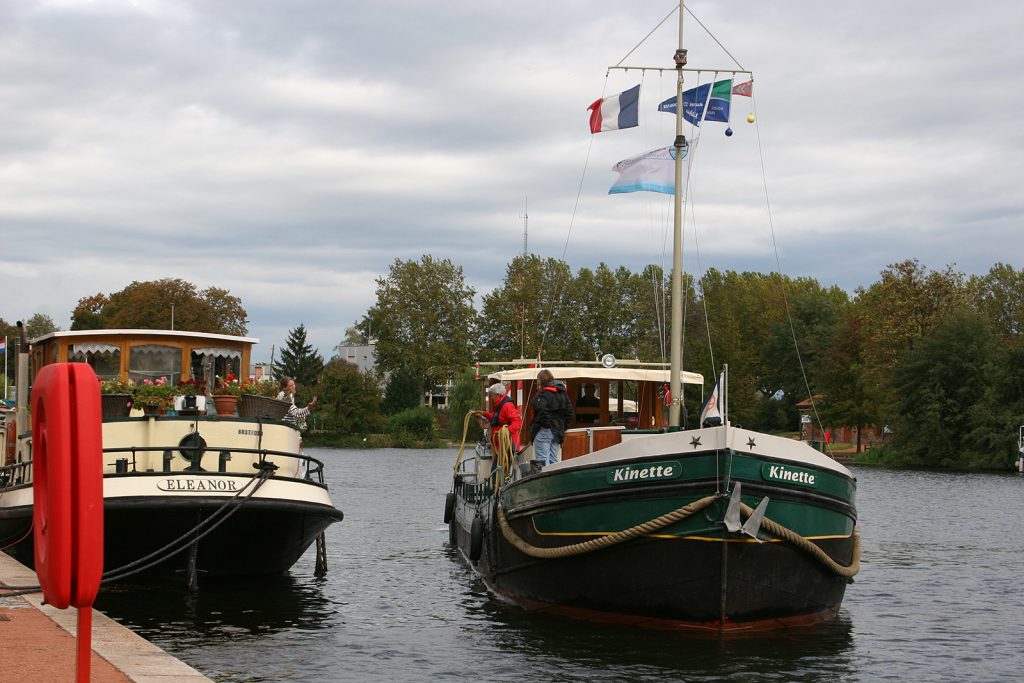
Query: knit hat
x=497, y=389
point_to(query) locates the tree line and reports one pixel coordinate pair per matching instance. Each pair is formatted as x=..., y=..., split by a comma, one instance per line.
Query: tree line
x=932, y=355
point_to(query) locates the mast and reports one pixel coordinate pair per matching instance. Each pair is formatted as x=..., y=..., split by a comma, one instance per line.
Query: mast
x=680, y=144
x=676, y=365
x=526, y=221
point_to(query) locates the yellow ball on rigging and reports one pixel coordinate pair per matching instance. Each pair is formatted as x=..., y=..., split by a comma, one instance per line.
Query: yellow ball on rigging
x=750, y=118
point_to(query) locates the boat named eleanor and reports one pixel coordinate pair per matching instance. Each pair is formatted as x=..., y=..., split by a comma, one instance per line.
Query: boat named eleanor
x=188, y=491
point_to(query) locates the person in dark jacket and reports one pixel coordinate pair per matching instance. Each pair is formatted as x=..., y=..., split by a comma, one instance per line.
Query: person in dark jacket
x=552, y=414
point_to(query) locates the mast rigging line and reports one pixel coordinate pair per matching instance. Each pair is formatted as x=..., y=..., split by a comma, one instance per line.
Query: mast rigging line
x=778, y=266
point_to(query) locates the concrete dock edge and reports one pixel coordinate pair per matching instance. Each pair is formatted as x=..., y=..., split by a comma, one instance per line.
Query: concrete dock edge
x=139, y=660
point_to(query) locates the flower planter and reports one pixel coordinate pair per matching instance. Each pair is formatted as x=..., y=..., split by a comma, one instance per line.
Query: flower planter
x=262, y=407
x=152, y=409
x=225, y=404
x=115, y=405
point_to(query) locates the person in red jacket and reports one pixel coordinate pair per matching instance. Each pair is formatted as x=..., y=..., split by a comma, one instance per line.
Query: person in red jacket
x=505, y=413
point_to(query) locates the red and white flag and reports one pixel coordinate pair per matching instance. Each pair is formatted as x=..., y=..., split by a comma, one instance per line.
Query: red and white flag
x=745, y=89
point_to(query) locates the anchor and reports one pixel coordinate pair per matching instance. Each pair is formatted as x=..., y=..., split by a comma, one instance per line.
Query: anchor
x=732, y=515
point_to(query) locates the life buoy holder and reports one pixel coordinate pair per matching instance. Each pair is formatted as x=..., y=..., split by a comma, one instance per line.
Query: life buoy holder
x=67, y=482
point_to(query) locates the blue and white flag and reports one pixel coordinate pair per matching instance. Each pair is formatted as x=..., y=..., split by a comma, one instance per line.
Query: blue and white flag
x=716, y=100
x=711, y=411
x=3, y=345
x=653, y=171
x=616, y=112
x=694, y=100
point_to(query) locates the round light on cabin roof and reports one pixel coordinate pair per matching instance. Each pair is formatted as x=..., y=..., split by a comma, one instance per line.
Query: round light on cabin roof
x=608, y=360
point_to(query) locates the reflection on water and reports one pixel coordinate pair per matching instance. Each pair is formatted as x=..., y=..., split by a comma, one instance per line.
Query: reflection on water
x=937, y=599
x=552, y=647
x=220, y=609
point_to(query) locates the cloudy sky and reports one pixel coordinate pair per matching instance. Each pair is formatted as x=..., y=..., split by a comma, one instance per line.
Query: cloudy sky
x=290, y=151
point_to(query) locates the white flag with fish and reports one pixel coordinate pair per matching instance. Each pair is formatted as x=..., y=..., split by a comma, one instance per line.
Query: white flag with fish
x=652, y=171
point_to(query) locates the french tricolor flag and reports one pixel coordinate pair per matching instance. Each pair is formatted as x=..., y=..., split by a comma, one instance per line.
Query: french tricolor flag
x=617, y=112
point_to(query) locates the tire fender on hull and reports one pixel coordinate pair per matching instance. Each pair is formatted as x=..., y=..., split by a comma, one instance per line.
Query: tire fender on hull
x=476, y=539
x=449, y=507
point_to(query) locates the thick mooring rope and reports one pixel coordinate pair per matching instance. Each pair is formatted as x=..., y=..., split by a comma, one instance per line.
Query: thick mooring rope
x=768, y=525
x=776, y=529
x=603, y=542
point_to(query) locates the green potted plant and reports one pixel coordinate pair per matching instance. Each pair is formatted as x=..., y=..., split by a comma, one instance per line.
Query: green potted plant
x=154, y=396
x=191, y=397
x=226, y=395
x=115, y=397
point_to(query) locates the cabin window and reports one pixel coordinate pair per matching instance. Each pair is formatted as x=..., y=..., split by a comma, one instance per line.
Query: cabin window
x=212, y=362
x=153, y=361
x=623, y=403
x=588, y=404
x=104, y=359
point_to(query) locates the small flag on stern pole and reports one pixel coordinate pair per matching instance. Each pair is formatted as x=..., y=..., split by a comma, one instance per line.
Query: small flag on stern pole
x=711, y=411
x=616, y=112
x=653, y=171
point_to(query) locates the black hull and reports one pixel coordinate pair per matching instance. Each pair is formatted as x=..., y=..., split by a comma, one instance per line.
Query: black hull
x=718, y=584
x=261, y=537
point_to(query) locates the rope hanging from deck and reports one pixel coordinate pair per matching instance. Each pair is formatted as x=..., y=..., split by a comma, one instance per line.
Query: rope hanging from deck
x=465, y=433
x=679, y=514
x=603, y=542
x=779, y=531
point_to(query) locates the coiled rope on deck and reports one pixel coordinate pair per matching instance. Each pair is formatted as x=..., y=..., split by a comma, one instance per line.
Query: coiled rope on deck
x=679, y=514
x=504, y=453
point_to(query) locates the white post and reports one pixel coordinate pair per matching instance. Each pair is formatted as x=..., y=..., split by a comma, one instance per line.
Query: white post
x=1020, y=450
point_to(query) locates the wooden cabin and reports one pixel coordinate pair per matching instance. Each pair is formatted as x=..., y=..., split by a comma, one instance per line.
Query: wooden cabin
x=139, y=355
x=627, y=401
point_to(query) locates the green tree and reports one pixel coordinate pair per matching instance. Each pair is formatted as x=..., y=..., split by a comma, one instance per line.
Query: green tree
x=525, y=312
x=88, y=314
x=939, y=384
x=996, y=417
x=463, y=398
x=349, y=400
x=849, y=397
x=999, y=296
x=648, y=295
x=423, y=320
x=740, y=309
x=403, y=391
x=161, y=305
x=299, y=360
x=38, y=325
x=901, y=310
x=353, y=337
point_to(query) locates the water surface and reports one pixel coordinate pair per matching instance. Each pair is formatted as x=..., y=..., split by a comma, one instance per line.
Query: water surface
x=940, y=597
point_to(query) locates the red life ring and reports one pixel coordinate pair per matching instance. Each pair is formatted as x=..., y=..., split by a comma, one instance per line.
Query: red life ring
x=67, y=462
